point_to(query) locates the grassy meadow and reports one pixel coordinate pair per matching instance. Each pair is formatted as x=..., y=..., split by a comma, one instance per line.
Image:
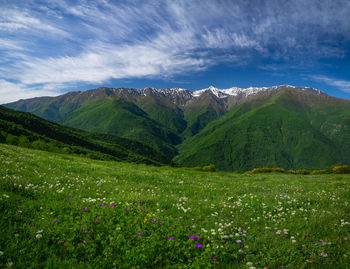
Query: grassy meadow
x=64, y=211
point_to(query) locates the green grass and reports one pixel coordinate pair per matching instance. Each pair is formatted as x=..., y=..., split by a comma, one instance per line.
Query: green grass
x=237, y=218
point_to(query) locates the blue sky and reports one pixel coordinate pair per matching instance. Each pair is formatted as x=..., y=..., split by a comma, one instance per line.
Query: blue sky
x=54, y=46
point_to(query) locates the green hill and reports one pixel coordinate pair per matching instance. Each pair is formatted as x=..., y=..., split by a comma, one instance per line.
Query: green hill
x=290, y=129
x=28, y=130
x=123, y=118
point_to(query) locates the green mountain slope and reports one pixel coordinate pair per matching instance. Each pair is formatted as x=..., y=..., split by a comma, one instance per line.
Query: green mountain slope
x=163, y=111
x=284, y=129
x=200, y=112
x=123, y=118
x=25, y=129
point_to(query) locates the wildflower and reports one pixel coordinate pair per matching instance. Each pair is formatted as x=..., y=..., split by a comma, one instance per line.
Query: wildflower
x=39, y=231
x=111, y=204
x=102, y=204
x=85, y=208
x=238, y=241
x=171, y=238
x=191, y=237
x=198, y=245
x=127, y=208
x=278, y=232
x=85, y=231
x=154, y=219
x=179, y=217
x=50, y=187
x=160, y=223
x=139, y=233
x=193, y=226
x=147, y=209
x=70, y=198
x=85, y=242
x=39, y=236
x=249, y=263
x=323, y=254
x=19, y=211
x=196, y=238
x=213, y=257
x=56, y=220
x=96, y=220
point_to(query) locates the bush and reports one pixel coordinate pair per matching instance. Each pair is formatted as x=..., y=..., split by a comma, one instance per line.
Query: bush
x=341, y=169
x=302, y=171
x=321, y=171
x=209, y=168
x=266, y=170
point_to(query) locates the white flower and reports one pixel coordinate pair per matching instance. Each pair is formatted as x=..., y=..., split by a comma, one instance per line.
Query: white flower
x=39, y=236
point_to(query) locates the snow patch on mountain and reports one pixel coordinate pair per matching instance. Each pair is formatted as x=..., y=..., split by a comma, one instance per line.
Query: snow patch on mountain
x=235, y=91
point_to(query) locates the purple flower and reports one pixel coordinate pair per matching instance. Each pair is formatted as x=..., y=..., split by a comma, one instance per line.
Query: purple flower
x=70, y=198
x=191, y=237
x=85, y=231
x=139, y=233
x=85, y=242
x=324, y=254
x=160, y=223
x=213, y=257
x=56, y=220
x=147, y=209
x=179, y=217
x=50, y=188
x=85, y=208
x=238, y=241
x=96, y=220
x=102, y=204
x=39, y=232
x=19, y=211
x=127, y=208
x=111, y=204
x=154, y=219
x=278, y=232
x=198, y=245
x=171, y=238
x=196, y=238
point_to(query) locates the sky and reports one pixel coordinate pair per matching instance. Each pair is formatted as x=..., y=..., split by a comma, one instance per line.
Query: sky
x=51, y=47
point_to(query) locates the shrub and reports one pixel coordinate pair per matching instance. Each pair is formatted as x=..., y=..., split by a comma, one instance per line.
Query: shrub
x=267, y=170
x=341, y=169
x=321, y=171
x=209, y=168
x=302, y=171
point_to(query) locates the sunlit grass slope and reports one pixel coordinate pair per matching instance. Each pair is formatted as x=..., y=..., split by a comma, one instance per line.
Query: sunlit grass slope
x=63, y=211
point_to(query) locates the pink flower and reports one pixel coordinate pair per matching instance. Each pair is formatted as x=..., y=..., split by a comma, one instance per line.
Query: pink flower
x=139, y=233
x=85, y=242
x=154, y=219
x=56, y=220
x=85, y=208
x=171, y=238
x=238, y=241
x=198, y=245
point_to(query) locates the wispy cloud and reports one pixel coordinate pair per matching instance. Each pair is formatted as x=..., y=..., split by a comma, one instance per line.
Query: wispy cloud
x=343, y=85
x=58, y=43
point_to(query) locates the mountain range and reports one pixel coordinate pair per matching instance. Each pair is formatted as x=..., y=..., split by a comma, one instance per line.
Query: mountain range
x=234, y=129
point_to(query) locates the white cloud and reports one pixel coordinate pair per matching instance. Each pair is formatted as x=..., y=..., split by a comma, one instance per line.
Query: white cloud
x=343, y=85
x=10, y=92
